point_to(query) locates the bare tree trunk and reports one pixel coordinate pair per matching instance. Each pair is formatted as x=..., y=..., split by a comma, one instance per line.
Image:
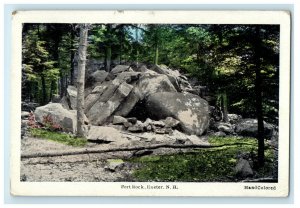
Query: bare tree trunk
x=225, y=106
x=80, y=78
x=258, y=93
x=108, y=58
x=72, y=58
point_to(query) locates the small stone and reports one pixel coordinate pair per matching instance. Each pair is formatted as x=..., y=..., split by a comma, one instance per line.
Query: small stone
x=160, y=131
x=148, y=128
x=158, y=123
x=243, y=169
x=132, y=120
x=135, y=128
x=219, y=134
x=168, y=130
x=127, y=124
x=171, y=122
x=119, y=120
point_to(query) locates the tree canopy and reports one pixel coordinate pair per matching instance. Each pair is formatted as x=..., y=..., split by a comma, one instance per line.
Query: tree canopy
x=226, y=59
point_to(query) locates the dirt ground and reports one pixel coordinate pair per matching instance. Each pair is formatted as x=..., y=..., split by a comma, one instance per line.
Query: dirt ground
x=106, y=167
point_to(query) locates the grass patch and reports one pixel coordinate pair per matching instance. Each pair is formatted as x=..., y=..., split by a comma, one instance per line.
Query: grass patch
x=58, y=137
x=204, y=165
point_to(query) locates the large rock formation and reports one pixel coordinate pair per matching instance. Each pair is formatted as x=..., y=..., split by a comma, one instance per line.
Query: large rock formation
x=122, y=91
x=191, y=110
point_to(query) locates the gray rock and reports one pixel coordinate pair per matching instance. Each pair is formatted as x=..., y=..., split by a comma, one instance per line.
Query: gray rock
x=55, y=98
x=158, y=123
x=131, y=100
x=243, y=169
x=105, y=133
x=93, y=97
x=219, y=134
x=234, y=118
x=121, y=68
x=114, y=165
x=119, y=120
x=171, y=122
x=72, y=97
x=127, y=124
x=24, y=114
x=138, y=127
x=108, y=102
x=149, y=84
x=191, y=110
x=65, y=118
x=148, y=128
x=98, y=76
x=65, y=103
x=224, y=127
x=248, y=127
x=132, y=120
x=142, y=68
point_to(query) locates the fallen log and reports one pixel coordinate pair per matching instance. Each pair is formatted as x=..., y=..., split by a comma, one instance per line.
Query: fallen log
x=124, y=149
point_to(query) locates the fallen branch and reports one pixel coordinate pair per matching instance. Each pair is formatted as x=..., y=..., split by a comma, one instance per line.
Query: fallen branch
x=261, y=180
x=121, y=149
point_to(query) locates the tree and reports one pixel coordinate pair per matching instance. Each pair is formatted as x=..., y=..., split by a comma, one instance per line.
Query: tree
x=38, y=66
x=80, y=78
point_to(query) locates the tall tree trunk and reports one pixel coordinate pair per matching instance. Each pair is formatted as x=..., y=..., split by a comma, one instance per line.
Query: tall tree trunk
x=121, y=45
x=108, y=57
x=258, y=93
x=137, y=45
x=72, y=58
x=156, y=53
x=80, y=78
x=63, y=88
x=225, y=106
x=52, y=90
x=44, y=90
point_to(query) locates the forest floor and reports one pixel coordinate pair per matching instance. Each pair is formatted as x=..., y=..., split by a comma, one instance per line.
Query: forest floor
x=106, y=167
x=161, y=164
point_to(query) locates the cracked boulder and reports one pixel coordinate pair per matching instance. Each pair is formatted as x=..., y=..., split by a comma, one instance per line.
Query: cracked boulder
x=190, y=110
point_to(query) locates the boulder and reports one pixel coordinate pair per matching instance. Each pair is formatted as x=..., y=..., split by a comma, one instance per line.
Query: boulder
x=65, y=118
x=243, y=169
x=224, y=127
x=121, y=68
x=72, y=97
x=149, y=84
x=108, y=102
x=105, y=134
x=92, y=98
x=234, y=118
x=248, y=127
x=97, y=77
x=191, y=110
x=129, y=103
x=119, y=120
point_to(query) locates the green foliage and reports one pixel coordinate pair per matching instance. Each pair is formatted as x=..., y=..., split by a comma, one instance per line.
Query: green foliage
x=222, y=57
x=204, y=165
x=58, y=137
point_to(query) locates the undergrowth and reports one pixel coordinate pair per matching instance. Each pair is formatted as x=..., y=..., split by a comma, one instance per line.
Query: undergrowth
x=58, y=137
x=203, y=165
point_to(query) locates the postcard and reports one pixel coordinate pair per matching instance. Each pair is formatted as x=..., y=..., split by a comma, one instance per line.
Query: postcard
x=150, y=103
